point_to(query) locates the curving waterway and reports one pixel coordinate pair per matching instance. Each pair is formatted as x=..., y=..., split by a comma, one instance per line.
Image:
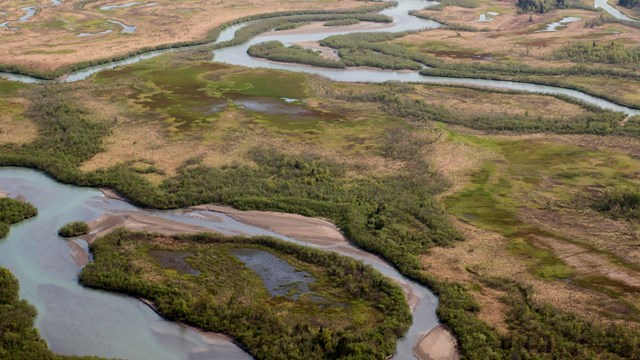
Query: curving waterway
x=237, y=55
x=75, y=320
x=81, y=321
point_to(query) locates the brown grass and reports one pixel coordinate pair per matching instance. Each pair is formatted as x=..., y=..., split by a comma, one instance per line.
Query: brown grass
x=45, y=43
x=14, y=128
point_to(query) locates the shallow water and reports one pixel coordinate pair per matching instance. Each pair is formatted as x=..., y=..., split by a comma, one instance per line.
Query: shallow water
x=126, y=29
x=486, y=17
x=554, y=26
x=75, y=320
x=112, y=7
x=95, y=34
x=278, y=276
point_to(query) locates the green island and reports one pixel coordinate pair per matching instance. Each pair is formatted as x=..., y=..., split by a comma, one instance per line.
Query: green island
x=348, y=311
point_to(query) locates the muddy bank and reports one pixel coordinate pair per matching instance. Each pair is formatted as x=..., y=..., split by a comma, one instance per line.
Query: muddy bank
x=438, y=344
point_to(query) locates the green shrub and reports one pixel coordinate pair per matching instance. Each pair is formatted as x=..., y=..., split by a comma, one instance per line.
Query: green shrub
x=13, y=211
x=620, y=202
x=73, y=229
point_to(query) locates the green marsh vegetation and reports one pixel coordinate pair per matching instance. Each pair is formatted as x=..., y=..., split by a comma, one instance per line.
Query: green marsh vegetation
x=341, y=22
x=353, y=311
x=276, y=51
x=547, y=177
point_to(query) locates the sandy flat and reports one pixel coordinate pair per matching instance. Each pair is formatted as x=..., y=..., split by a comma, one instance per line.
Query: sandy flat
x=318, y=27
x=438, y=344
x=139, y=222
x=306, y=229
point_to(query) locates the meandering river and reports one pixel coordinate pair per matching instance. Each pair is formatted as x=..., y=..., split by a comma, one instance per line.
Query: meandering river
x=76, y=320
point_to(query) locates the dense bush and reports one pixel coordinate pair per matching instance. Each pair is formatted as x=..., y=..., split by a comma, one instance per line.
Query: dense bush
x=629, y=3
x=73, y=229
x=13, y=211
x=342, y=22
x=592, y=52
x=276, y=51
x=540, y=6
x=620, y=202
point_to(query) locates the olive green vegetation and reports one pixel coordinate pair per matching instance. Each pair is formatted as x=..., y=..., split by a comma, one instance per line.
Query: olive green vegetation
x=357, y=313
x=544, y=332
x=342, y=22
x=595, y=121
x=470, y=4
x=529, y=173
x=13, y=211
x=622, y=201
x=276, y=51
x=19, y=340
x=74, y=229
x=368, y=49
x=543, y=6
x=263, y=22
x=592, y=52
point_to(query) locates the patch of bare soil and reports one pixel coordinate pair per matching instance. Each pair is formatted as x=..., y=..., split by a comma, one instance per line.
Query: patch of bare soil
x=438, y=344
